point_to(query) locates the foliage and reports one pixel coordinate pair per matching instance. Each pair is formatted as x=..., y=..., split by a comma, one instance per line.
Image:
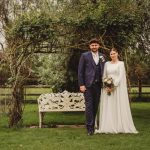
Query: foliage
x=111, y=22
x=52, y=70
x=4, y=70
x=143, y=43
x=31, y=29
x=140, y=68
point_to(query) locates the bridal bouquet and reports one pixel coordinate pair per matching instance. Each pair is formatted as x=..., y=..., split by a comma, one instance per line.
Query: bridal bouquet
x=108, y=83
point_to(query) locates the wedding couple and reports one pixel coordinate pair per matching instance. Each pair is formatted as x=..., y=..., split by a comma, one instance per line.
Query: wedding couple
x=115, y=114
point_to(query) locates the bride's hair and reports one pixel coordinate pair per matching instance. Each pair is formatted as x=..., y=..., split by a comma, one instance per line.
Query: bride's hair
x=115, y=50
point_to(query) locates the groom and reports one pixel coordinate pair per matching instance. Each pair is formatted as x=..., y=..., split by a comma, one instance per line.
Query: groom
x=90, y=72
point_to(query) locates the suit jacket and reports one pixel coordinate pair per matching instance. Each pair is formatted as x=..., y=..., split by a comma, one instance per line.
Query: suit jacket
x=87, y=68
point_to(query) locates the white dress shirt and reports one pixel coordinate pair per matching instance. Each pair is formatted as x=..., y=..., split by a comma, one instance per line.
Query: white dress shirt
x=95, y=57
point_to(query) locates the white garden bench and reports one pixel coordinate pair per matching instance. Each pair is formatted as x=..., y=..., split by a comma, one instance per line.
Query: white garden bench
x=60, y=102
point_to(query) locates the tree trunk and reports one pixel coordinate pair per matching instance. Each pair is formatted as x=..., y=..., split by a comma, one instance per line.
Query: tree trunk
x=128, y=80
x=15, y=112
x=140, y=88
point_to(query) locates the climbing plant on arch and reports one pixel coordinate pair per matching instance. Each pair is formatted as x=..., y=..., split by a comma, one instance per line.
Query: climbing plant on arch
x=30, y=34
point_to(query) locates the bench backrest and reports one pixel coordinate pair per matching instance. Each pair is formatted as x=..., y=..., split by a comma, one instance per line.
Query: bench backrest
x=64, y=101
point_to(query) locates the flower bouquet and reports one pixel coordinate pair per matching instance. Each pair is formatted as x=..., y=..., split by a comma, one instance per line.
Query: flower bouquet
x=108, y=83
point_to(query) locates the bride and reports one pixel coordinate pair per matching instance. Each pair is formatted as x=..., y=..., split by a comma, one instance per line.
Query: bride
x=115, y=114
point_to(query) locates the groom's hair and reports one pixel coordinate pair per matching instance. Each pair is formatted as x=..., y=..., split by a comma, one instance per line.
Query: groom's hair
x=94, y=40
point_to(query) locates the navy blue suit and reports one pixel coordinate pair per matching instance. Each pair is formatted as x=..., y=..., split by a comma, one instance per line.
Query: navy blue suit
x=90, y=76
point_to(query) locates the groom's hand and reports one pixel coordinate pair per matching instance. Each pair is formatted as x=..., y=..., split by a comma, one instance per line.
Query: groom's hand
x=82, y=89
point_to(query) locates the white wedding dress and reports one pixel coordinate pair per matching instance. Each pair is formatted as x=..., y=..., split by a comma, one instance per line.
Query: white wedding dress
x=115, y=114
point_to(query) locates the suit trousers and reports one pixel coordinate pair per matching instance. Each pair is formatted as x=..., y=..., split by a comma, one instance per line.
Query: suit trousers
x=92, y=98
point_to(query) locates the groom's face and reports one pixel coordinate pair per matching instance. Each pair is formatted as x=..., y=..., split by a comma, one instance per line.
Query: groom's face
x=94, y=47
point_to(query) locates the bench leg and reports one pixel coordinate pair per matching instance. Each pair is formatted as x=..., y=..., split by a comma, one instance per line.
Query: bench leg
x=40, y=119
x=41, y=116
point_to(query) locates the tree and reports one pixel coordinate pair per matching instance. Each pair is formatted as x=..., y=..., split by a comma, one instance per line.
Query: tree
x=52, y=70
x=27, y=34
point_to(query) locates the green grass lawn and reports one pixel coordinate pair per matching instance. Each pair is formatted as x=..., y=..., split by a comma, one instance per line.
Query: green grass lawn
x=73, y=138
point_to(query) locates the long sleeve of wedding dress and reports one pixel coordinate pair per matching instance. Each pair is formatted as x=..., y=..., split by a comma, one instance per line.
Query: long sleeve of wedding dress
x=115, y=114
x=121, y=74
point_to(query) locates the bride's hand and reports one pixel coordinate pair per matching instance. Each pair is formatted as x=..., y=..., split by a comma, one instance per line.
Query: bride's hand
x=109, y=89
x=82, y=89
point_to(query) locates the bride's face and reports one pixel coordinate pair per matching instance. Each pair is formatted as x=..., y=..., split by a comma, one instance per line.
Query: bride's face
x=113, y=55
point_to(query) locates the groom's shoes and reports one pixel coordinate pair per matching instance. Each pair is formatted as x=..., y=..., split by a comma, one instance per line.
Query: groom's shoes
x=90, y=133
